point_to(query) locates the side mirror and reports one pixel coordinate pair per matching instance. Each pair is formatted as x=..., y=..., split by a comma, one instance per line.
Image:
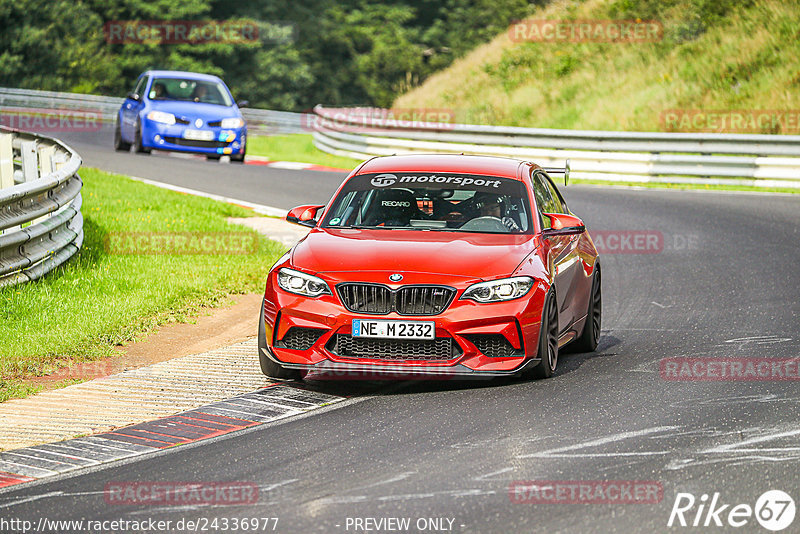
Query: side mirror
x=304, y=215
x=243, y=103
x=563, y=224
x=134, y=96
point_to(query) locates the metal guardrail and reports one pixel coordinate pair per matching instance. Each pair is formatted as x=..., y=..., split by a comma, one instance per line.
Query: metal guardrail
x=740, y=159
x=41, y=225
x=105, y=108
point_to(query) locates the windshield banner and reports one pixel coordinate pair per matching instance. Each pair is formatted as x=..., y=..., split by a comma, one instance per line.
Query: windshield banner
x=470, y=182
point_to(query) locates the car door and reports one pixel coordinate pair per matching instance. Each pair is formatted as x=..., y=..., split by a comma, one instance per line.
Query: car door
x=562, y=251
x=131, y=108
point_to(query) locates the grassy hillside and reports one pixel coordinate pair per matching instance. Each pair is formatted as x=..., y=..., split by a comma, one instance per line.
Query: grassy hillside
x=714, y=55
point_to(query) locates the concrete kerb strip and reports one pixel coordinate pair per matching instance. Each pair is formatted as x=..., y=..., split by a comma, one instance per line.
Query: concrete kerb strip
x=120, y=407
x=128, y=397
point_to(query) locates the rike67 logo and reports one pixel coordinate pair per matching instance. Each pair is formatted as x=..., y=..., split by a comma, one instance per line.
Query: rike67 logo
x=774, y=510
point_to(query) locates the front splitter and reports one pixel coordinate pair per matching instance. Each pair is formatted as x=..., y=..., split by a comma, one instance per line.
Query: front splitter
x=327, y=367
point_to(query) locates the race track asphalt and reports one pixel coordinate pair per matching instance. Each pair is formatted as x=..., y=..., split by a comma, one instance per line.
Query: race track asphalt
x=723, y=284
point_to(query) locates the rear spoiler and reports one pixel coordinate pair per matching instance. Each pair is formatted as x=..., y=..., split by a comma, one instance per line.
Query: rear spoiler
x=559, y=170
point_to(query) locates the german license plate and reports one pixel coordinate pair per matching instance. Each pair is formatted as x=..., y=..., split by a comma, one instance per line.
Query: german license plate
x=394, y=329
x=199, y=135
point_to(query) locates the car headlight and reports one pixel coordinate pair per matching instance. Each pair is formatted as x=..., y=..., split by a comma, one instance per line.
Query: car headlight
x=232, y=123
x=162, y=117
x=302, y=283
x=499, y=290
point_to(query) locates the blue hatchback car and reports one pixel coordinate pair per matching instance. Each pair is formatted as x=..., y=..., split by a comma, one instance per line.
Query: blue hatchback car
x=184, y=112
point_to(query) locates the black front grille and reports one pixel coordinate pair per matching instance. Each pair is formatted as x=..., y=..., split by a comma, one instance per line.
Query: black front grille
x=194, y=142
x=408, y=300
x=439, y=349
x=423, y=300
x=299, y=338
x=366, y=298
x=494, y=345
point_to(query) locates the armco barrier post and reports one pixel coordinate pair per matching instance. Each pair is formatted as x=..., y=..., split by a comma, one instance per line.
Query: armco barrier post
x=30, y=165
x=46, y=160
x=6, y=161
x=46, y=154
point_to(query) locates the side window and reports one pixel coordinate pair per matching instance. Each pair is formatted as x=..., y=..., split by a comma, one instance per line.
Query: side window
x=558, y=205
x=544, y=200
x=140, y=85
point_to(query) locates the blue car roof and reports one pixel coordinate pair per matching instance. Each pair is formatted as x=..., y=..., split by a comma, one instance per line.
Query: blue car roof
x=183, y=74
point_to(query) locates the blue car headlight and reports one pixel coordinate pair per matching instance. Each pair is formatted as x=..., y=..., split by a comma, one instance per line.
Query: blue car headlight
x=499, y=290
x=161, y=116
x=234, y=122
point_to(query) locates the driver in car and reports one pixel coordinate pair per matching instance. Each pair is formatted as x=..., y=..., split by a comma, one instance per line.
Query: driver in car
x=200, y=93
x=159, y=91
x=492, y=206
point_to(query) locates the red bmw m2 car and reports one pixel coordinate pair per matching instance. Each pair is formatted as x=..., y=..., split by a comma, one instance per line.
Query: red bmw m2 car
x=434, y=266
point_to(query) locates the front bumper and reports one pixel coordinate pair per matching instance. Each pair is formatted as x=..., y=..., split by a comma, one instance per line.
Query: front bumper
x=328, y=368
x=462, y=322
x=226, y=141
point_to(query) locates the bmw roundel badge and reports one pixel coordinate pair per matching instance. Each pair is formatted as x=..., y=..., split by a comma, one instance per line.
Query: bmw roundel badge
x=396, y=277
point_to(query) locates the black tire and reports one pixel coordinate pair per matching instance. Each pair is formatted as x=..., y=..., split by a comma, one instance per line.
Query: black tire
x=268, y=367
x=137, y=140
x=590, y=337
x=239, y=158
x=548, y=340
x=119, y=144
x=213, y=157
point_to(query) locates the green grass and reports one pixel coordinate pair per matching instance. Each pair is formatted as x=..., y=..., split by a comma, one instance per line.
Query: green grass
x=715, y=55
x=100, y=298
x=16, y=389
x=295, y=147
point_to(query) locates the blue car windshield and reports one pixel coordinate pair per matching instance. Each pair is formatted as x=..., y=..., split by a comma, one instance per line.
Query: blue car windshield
x=187, y=90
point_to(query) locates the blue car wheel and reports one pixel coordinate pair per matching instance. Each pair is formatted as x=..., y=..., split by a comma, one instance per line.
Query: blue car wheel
x=119, y=144
x=138, y=146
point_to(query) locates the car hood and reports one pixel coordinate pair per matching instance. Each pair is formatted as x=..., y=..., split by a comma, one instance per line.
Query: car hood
x=195, y=109
x=467, y=255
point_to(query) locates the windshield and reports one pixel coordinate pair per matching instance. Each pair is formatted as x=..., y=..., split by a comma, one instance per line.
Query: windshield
x=207, y=92
x=445, y=203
